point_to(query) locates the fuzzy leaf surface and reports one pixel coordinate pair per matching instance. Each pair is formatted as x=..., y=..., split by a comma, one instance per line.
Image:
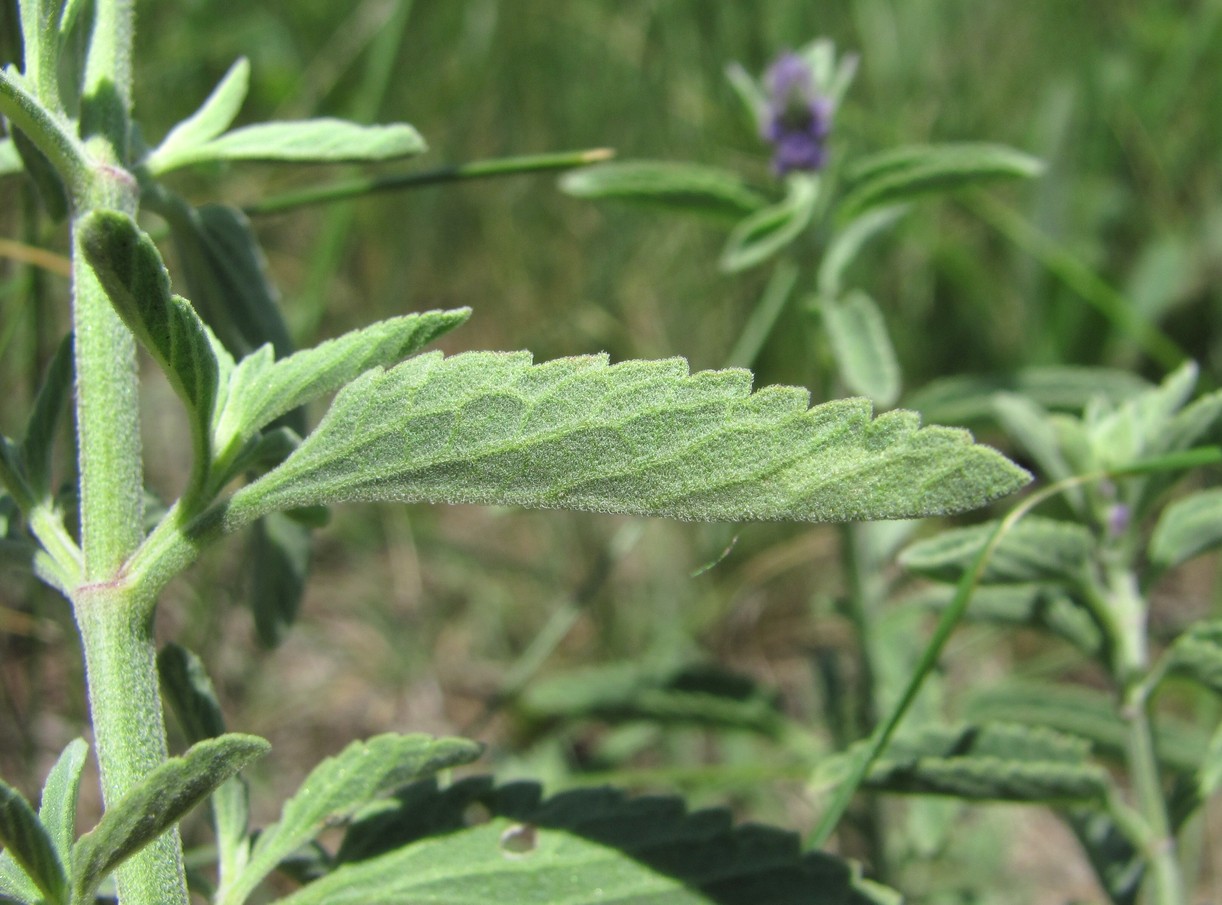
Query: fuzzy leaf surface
x=57, y=811
x=31, y=849
x=213, y=117
x=764, y=233
x=321, y=140
x=1198, y=654
x=583, y=846
x=1036, y=549
x=676, y=186
x=130, y=269
x=991, y=762
x=337, y=787
x=262, y=389
x=907, y=172
x=156, y=804
x=1187, y=528
x=641, y=437
x=864, y=355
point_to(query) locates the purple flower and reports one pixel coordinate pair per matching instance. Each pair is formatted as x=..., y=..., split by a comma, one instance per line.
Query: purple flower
x=798, y=119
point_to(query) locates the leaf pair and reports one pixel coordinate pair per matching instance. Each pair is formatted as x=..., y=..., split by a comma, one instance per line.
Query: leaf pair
x=41, y=863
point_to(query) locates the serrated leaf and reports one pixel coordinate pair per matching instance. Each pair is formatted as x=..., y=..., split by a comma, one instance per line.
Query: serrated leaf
x=639, y=437
x=865, y=358
x=1088, y=714
x=213, y=117
x=160, y=800
x=57, y=810
x=261, y=390
x=1198, y=654
x=907, y=172
x=588, y=845
x=280, y=561
x=692, y=695
x=765, y=232
x=991, y=762
x=681, y=187
x=53, y=397
x=1034, y=550
x=130, y=269
x=27, y=842
x=1187, y=528
x=969, y=398
x=321, y=140
x=340, y=785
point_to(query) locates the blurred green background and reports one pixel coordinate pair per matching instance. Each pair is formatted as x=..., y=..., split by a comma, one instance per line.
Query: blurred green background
x=419, y=618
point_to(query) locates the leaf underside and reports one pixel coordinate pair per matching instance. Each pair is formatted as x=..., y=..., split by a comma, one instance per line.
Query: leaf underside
x=641, y=437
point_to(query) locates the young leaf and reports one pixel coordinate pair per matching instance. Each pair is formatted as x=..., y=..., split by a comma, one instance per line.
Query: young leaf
x=340, y=785
x=907, y=172
x=57, y=811
x=261, y=390
x=583, y=846
x=307, y=141
x=1139, y=425
x=210, y=120
x=676, y=186
x=156, y=804
x=991, y=762
x=767, y=231
x=131, y=271
x=1035, y=550
x=1187, y=528
x=1198, y=654
x=26, y=840
x=864, y=355
x=639, y=437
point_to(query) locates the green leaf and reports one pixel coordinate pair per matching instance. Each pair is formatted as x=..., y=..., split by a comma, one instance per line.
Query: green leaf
x=1036, y=549
x=1036, y=430
x=767, y=231
x=226, y=273
x=907, y=172
x=156, y=804
x=53, y=397
x=639, y=437
x=864, y=355
x=280, y=555
x=969, y=398
x=131, y=271
x=587, y=845
x=1088, y=714
x=307, y=141
x=690, y=695
x=261, y=389
x=210, y=120
x=39, y=49
x=681, y=187
x=47, y=180
x=1187, y=528
x=1139, y=426
x=1042, y=606
x=190, y=693
x=990, y=762
x=1197, y=654
x=30, y=846
x=57, y=812
x=1195, y=423
x=848, y=241
x=340, y=785
x=1209, y=777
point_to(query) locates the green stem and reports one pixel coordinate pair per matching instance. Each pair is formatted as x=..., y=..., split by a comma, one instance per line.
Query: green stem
x=128, y=727
x=479, y=169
